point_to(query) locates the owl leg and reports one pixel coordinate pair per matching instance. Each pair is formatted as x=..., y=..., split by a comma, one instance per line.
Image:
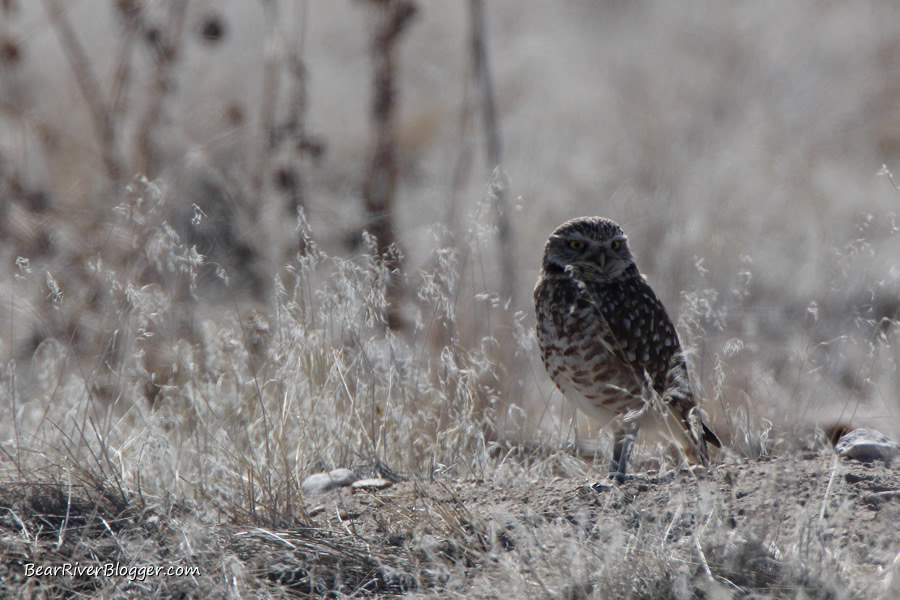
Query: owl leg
x=623, y=438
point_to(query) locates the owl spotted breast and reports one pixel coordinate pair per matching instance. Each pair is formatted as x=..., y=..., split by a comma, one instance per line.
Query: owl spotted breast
x=607, y=341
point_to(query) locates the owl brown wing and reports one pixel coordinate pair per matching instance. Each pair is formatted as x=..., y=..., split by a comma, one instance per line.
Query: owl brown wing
x=643, y=337
x=641, y=333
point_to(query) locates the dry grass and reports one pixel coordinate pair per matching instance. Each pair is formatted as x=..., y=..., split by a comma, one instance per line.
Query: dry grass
x=180, y=348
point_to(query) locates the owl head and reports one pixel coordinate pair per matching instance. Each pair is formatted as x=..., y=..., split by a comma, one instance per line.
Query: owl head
x=590, y=249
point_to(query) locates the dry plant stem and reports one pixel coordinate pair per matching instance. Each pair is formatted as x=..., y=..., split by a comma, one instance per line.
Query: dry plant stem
x=291, y=130
x=165, y=54
x=462, y=166
x=122, y=72
x=482, y=73
x=89, y=85
x=295, y=124
x=272, y=65
x=380, y=186
x=14, y=395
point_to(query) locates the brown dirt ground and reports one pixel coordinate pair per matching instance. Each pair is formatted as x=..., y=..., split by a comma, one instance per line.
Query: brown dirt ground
x=807, y=525
x=802, y=525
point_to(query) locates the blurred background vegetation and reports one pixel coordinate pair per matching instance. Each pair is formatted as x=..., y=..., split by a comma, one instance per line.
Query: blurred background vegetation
x=171, y=170
x=245, y=241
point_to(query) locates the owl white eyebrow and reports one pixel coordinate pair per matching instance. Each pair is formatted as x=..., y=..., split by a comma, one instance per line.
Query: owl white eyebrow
x=572, y=237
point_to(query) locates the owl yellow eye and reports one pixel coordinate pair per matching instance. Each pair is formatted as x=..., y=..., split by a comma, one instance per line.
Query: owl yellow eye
x=576, y=245
x=616, y=245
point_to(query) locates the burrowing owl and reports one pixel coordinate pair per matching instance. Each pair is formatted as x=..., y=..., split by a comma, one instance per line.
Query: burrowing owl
x=607, y=341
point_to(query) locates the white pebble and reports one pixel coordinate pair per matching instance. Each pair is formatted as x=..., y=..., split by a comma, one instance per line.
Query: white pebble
x=319, y=483
x=866, y=445
x=375, y=483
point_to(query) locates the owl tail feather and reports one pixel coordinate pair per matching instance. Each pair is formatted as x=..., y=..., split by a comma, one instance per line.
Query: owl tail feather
x=700, y=434
x=710, y=437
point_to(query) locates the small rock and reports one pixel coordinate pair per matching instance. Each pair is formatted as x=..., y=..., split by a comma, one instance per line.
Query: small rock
x=882, y=497
x=319, y=483
x=866, y=445
x=375, y=483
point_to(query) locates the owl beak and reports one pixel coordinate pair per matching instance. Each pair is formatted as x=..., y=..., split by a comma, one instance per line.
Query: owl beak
x=601, y=258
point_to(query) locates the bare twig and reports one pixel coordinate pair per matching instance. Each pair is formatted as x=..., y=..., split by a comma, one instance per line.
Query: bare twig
x=164, y=48
x=380, y=185
x=273, y=55
x=130, y=16
x=482, y=74
x=89, y=85
x=463, y=163
x=293, y=129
